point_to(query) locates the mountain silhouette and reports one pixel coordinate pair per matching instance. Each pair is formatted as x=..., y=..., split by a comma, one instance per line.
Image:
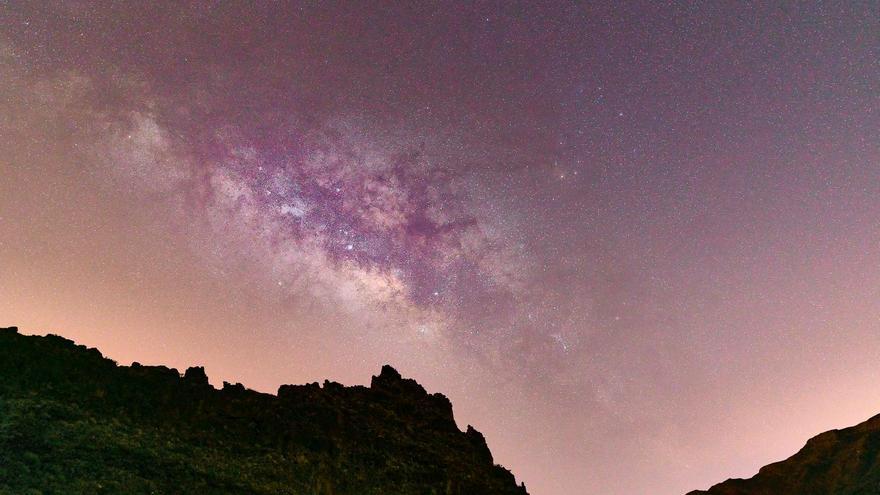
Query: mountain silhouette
x=72, y=421
x=838, y=462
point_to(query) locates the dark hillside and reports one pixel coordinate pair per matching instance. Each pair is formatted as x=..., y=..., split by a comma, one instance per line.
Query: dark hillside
x=72, y=421
x=839, y=462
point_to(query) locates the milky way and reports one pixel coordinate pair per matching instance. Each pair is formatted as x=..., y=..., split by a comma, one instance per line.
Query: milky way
x=636, y=244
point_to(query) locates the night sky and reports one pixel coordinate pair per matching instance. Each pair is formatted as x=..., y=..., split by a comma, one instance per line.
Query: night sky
x=637, y=245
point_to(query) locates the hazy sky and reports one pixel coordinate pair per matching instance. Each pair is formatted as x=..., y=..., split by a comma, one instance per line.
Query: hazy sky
x=637, y=245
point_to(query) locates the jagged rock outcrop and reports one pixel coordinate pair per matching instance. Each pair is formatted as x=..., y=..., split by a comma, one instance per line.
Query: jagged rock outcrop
x=196, y=375
x=72, y=421
x=839, y=462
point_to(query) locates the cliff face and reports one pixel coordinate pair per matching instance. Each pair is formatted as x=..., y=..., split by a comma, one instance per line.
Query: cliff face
x=839, y=462
x=72, y=421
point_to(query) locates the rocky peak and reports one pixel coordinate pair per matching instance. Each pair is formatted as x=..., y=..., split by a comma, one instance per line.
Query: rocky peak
x=389, y=380
x=437, y=406
x=389, y=373
x=196, y=375
x=479, y=442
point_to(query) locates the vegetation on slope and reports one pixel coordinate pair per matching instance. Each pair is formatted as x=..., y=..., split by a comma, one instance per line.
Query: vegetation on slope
x=72, y=421
x=839, y=462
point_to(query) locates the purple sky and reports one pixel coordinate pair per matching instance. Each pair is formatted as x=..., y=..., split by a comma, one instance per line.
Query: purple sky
x=637, y=244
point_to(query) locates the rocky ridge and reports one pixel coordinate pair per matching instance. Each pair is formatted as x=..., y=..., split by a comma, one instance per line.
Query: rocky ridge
x=839, y=462
x=72, y=421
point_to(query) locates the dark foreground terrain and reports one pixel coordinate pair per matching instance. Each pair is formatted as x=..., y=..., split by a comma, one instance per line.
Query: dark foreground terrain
x=837, y=462
x=72, y=421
